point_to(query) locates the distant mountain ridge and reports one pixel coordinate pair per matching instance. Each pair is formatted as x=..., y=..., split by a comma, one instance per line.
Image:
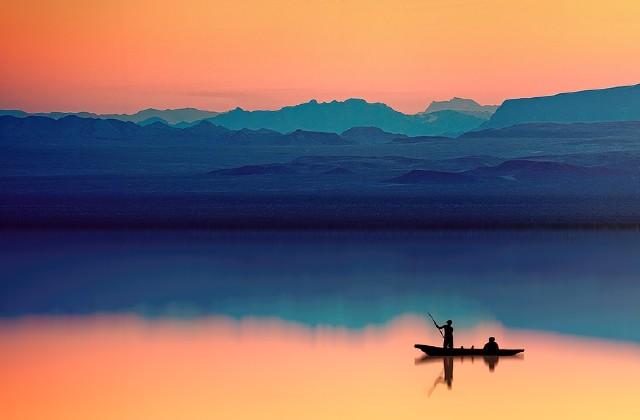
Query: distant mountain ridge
x=334, y=116
x=75, y=130
x=515, y=170
x=337, y=117
x=370, y=135
x=611, y=104
x=72, y=128
x=560, y=130
x=467, y=106
x=170, y=116
x=451, y=118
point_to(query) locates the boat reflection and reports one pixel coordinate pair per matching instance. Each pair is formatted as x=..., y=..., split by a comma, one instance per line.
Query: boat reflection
x=446, y=374
x=132, y=368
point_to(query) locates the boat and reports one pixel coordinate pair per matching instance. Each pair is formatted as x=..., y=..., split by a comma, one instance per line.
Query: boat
x=439, y=351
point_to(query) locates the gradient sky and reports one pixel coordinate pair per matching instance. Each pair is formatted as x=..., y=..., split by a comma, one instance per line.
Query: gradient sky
x=121, y=56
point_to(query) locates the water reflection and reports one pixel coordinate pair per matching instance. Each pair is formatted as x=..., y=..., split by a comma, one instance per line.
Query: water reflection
x=581, y=283
x=448, y=362
x=447, y=371
x=491, y=361
x=126, y=367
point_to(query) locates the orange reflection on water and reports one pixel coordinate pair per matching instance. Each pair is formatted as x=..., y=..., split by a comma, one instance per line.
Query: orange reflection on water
x=128, y=368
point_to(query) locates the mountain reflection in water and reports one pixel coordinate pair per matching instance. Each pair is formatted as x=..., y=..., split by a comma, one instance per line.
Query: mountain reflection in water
x=573, y=282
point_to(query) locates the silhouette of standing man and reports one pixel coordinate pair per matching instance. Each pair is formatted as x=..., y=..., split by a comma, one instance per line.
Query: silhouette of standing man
x=448, y=334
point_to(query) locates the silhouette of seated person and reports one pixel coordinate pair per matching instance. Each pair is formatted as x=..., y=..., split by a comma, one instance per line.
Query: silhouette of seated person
x=448, y=334
x=491, y=347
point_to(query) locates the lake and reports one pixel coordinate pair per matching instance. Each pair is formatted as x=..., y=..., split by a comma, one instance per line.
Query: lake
x=290, y=325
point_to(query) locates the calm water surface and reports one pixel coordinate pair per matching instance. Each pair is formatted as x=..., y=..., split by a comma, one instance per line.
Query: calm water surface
x=194, y=325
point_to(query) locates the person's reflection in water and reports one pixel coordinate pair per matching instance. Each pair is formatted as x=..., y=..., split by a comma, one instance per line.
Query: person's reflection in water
x=491, y=361
x=446, y=376
x=447, y=363
x=448, y=371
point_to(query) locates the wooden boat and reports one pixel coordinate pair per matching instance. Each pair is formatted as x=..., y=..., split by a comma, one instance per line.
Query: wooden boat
x=439, y=351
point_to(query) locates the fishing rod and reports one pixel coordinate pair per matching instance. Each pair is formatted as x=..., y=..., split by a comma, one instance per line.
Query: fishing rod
x=435, y=323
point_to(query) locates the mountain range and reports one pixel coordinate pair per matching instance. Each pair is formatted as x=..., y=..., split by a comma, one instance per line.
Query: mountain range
x=144, y=117
x=73, y=130
x=338, y=116
x=450, y=118
x=612, y=129
x=620, y=103
x=103, y=172
x=335, y=117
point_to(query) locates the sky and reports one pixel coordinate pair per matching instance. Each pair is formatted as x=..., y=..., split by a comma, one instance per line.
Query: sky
x=121, y=56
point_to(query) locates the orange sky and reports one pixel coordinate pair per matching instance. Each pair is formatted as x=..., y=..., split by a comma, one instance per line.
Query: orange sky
x=120, y=56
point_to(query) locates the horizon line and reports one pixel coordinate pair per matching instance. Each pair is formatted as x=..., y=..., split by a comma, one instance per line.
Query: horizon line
x=312, y=100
